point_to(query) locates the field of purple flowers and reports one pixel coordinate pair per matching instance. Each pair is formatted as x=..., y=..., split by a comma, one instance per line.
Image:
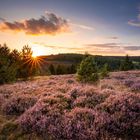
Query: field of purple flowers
x=61, y=108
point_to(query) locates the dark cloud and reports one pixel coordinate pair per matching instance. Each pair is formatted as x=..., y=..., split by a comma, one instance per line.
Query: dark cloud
x=132, y=48
x=58, y=47
x=49, y=24
x=113, y=37
x=104, y=45
x=2, y=19
x=114, y=46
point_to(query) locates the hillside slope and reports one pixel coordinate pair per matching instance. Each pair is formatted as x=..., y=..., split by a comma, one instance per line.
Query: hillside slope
x=59, y=107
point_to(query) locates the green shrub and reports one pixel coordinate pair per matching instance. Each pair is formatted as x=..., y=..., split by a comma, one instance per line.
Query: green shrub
x=88, y=71
x=8, y=67
x=104, y=71
x=126, y=64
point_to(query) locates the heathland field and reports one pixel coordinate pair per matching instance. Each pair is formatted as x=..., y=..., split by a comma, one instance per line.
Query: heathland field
x=61, y=108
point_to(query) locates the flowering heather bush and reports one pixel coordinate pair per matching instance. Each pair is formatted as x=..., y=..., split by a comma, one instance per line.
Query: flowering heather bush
x=17, y=104
x=1, y=100
x=124, y=111
x=86, y=90
x=58, y=101
x=66, y=110
x=45, y=107
x=136, y=87
x=108, y=92
x=83, y=124
x=128, y=82
x=89, y=101
x=6, y=93
x=70, y=81
x=107, y=86
x=42, y=120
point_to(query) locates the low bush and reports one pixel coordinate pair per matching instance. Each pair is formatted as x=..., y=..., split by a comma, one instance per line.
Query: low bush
x=136, y=87
x=17, y=104
x=124, y=112
x=89, y=101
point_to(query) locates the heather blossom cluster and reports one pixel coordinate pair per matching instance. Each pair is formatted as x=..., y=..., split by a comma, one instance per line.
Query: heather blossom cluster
x=16, y=105
x=60, y=108
x=124, y=112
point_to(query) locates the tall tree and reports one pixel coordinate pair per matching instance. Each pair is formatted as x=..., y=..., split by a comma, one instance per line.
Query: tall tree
x=52, y=69
x=88, y=71
x=126, y=64
x=26, y=67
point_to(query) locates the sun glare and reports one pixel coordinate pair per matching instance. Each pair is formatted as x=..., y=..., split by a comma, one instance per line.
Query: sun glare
x=38, y=51
x=34, y=55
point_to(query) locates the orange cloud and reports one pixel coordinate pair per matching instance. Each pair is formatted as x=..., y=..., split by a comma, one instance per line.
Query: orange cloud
x=49, y=24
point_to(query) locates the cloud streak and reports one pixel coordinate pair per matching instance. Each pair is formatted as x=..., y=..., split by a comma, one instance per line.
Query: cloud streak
x=57, y=47
x=50, y=24
x=2, y=19
x=114, y=46
x=98, y=49
x=104, y=45
x=134, y=23
x=132, y=48
x=85, y=27
x=113, y=37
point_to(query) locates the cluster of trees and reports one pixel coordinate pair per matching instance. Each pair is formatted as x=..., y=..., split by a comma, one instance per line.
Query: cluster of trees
x=16, y=64
x=62, y=69
x=89, y=71
x=126, y=64
x=113, y=62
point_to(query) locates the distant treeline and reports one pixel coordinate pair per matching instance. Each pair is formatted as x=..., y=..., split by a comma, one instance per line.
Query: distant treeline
x=20, y=65
x=114, y=62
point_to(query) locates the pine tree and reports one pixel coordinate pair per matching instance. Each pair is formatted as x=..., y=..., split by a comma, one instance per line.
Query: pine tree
x=104, y=71
x=26, y=67
x=52, y=69
x=88, y=71
x=59, y=70
x=126, y=64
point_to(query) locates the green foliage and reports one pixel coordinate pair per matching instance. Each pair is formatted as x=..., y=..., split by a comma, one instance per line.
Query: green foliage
x=27, y=69
x=104, y=71
x=126, y=64
x=59, y=70
x=52, y=69
x=88, y=71
x=8, y=65
x=15, y=64
x=71, y=69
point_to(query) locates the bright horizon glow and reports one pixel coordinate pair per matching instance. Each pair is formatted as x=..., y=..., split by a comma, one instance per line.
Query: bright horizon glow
x=72, y=26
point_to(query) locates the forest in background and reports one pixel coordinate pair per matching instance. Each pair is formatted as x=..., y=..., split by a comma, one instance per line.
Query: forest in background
x=21, y=65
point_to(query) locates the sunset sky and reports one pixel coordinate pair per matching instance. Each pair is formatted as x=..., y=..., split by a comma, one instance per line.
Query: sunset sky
x=103, y=27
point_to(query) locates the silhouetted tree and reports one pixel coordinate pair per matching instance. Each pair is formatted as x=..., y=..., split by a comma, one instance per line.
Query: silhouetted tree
x=126, y=64
x=26, y=67
x=8, y=67
x=72, y=69
x=52, y=69
x=59, y=70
